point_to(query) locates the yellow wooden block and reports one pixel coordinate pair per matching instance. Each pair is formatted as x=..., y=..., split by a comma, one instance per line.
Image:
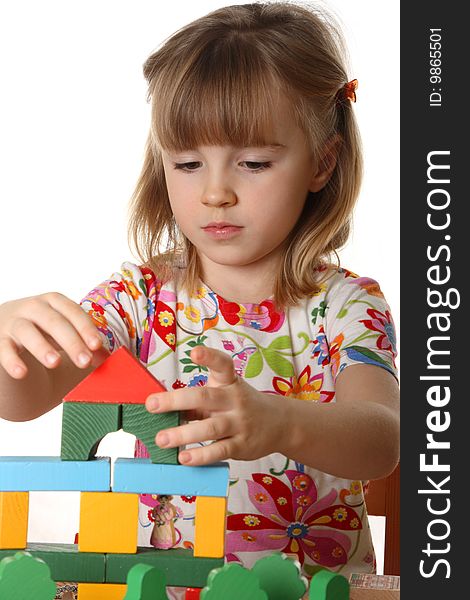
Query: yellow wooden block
x=209, y=532
x=13, y=520
x=101, y=591
x=108, y=522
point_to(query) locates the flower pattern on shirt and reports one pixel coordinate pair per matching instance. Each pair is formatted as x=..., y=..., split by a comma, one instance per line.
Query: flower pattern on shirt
x=274, y=503
x=294, y=520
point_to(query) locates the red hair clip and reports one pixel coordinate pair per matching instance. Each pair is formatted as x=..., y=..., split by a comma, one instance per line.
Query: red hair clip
x=348, y=91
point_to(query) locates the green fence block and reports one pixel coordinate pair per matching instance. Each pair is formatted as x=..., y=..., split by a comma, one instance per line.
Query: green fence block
x=145, y=583
x=66, y=563
x=178, y=565
x=280, y=577
x=24, y=577
x=233, y=582
x=326, y=585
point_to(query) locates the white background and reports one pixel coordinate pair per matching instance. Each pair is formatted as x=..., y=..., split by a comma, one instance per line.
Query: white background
x=73, y=123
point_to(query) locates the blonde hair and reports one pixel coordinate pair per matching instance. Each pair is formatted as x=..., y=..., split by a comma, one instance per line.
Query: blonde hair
x=213, y=83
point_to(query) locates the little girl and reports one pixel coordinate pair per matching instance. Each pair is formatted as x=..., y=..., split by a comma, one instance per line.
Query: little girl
x=280, y=358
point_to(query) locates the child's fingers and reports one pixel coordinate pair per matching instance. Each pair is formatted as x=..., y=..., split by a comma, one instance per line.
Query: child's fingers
x=222, y=370
x=207, y=455
x=46, y=325
x=190, y=398
x=10, y=360
x=28, y=336
x=67, y=324
x=213, y=428
x=81, y=322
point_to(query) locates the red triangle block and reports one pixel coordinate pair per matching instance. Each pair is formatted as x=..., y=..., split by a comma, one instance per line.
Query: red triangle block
x=121, y=379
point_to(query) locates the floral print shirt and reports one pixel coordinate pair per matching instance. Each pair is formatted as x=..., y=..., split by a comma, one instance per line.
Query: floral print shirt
x=275, y=503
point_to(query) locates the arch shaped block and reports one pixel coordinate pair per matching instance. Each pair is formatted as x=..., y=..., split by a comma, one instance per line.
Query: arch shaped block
x=85, y=424
x=137, y=420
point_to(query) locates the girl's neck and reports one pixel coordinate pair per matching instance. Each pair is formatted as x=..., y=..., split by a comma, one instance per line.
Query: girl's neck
x=245, y=285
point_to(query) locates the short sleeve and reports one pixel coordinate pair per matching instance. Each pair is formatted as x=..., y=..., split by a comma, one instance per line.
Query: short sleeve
x=358, y=323
x=122, y=306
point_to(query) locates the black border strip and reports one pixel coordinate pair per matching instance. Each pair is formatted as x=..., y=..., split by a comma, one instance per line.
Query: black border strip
x=435, y=160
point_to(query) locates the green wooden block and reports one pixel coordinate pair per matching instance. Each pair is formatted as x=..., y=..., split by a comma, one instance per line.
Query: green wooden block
x=326, y=585
x=280, y=577
x=66, y=563
x=23, y=577
x=137, y=420
x=178, y=564
x=84, y=425
x=145, y=583
x=233, y=582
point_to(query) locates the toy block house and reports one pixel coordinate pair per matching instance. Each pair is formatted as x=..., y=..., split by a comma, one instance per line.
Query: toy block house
x=110, y=398
x=107, y=556
x=113, y=398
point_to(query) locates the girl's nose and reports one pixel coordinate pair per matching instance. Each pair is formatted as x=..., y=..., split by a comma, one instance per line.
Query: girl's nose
x=218, y=196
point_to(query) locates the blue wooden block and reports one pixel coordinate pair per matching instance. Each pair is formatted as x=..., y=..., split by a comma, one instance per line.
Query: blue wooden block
x=141, y=476
x=50, y=473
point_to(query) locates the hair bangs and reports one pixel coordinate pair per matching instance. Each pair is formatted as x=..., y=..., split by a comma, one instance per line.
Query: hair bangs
x=226, y=97
x=219, y=81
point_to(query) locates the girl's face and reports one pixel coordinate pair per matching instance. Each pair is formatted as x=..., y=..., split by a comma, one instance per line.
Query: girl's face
x=260, y=190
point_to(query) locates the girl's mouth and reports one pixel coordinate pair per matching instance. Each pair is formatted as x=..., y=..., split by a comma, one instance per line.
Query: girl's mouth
x=223, y=233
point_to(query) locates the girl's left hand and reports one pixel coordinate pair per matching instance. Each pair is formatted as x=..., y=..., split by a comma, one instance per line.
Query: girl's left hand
x=244, y=423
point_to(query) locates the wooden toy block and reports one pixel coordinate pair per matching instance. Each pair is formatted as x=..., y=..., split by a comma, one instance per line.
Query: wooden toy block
x=192, y=593
x=49, y=473
x=178, y=564
x=23, y=577
x=13, y=519
x=141, y=476
x=326, y=585
x=84, y=425
x=66, y=563
x=370, y=586
x=108, y=522
x=144, y=425
x=146, y=583
x=101, y=591
x=121, y=379
x=280, y=577
x=209, y=531
x=233, y=582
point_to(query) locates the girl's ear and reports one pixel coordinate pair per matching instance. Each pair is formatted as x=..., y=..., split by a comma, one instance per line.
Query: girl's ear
x=327, y=164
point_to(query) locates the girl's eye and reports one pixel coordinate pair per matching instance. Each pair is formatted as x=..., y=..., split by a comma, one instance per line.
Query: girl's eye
x=251, y=165
x=189, y=166
x=257, y=166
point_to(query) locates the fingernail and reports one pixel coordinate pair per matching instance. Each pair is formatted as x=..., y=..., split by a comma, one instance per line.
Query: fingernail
x=184, y=457
x=163, y=440
x=51, y=357
x=83, y=358
x=153, y=403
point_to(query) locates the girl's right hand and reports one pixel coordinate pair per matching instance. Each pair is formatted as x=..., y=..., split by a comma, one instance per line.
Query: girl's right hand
x=46, y=325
